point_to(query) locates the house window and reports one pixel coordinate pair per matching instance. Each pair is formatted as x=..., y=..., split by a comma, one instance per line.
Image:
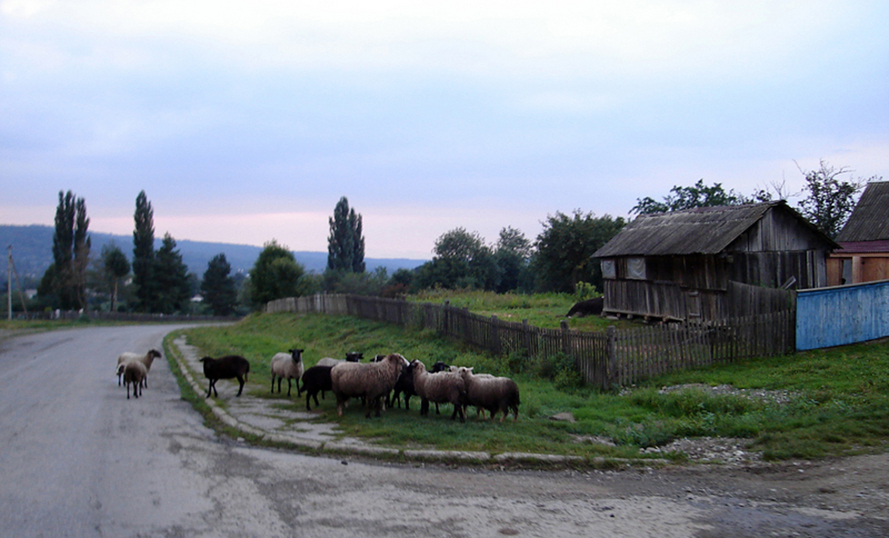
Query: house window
x=636, y=268
x=847, y=271
x=608, y=269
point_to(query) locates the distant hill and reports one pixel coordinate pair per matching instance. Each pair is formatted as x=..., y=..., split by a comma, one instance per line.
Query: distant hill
x=32, y=252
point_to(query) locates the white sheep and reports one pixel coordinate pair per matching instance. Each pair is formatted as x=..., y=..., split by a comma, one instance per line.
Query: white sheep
x=370, y=381
x=288, y=366
x=439, y=387
x=145, y=358
x=351, y=356
x=486, y=392
x=134, y=372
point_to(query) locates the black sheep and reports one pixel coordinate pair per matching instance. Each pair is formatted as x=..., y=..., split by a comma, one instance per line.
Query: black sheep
x=316, y=379
x=404, y=386
x=590, y=307
x=227, y=367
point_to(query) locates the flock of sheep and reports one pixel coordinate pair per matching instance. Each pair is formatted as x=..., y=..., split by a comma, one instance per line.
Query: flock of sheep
x=383, y=382
x=388, y=379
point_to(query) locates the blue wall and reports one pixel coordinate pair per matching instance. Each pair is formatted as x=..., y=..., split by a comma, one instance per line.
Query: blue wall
x=829, y=317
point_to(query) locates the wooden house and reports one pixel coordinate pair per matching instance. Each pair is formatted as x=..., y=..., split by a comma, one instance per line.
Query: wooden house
x=712, y=262
x=864, y=240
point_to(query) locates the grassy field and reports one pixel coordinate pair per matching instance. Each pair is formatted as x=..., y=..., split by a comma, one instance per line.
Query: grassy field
x=545, y=310
x=813, y=404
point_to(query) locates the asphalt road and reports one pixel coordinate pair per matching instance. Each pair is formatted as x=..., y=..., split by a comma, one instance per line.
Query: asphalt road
x=79, y=459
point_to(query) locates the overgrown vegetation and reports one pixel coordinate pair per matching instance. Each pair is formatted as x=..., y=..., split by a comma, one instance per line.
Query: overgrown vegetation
x=834, y=401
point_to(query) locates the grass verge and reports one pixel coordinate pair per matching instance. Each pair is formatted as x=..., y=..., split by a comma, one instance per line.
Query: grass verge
x=834, y=402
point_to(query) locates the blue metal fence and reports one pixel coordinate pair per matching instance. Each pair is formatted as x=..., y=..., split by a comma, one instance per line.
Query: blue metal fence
x=841, y=315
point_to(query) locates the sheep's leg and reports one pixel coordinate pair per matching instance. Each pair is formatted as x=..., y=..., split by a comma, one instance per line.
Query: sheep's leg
x=128, y=391
x=210, y=388
x=288, y=387
x=308, y=398
x=241, y=385
x=273, y=384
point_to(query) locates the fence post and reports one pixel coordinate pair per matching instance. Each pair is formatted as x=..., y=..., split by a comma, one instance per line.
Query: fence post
x=526, y=336
x=566, y=337
x=611, y=378
x=495, y=336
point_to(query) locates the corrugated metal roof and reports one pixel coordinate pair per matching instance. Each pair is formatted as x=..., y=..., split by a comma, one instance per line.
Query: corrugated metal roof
x=869, y=220
x=703, y=230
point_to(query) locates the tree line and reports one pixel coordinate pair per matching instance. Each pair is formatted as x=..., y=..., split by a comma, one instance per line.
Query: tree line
x=557, y=260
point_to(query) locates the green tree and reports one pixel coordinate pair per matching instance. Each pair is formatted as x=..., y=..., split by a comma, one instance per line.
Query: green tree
x=830, y=199
x=218, y=287
x=64, y=283
x=143, y=255
x=170, y=276
x=345, y=244
x=698, y=195
x=461, y=260
x=512, y=254
x=275, y=275
x=565, y=246
x=115, y=266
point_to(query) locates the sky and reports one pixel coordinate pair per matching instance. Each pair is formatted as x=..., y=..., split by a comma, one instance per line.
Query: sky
x=245, y=122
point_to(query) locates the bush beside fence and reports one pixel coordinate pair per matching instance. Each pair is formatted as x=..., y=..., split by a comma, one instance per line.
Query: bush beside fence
x=604, y=360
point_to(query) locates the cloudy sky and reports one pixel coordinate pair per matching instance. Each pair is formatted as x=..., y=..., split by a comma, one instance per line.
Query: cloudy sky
x=247, y=121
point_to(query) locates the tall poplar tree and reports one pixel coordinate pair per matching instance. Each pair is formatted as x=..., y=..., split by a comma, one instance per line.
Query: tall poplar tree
x=345, y=244
x=143, y=255
x=65, y=280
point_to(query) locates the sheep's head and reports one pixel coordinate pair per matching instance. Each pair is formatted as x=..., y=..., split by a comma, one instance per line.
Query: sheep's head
x=439, y=366
x=404, y=362
x=417, y=366
x=205, y=360
x=354, y=356
x=296, y=353
x=154, y=353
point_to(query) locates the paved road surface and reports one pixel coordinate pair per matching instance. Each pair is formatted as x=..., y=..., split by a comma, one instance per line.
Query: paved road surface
x=78, y=459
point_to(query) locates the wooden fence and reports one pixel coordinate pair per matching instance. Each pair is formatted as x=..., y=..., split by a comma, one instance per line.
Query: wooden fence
x=842, y=315
x=605, y=360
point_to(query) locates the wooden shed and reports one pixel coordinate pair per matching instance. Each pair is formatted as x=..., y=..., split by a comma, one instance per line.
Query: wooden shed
x=864, y=240
x=712, y=262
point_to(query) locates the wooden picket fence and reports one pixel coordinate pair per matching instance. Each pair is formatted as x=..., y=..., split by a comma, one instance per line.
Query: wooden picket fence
x=605, y=360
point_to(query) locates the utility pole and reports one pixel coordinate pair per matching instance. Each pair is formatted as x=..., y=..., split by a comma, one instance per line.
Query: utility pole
x=9, y=284
x=10, y=270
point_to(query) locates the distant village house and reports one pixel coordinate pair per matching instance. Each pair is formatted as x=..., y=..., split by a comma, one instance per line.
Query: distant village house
x=864, y=240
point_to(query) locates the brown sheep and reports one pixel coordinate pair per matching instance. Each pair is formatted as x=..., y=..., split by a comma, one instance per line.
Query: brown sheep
x=371, y=381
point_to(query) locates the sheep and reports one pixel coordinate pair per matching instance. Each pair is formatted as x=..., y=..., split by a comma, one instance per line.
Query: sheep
x=589, y=307
x=439, y=387
x=403, y=387
x=287, y=366
x=491, y=393
x=226, y=367
x=370, y=381
x=134, y=373
x=316, y=379
x=144, y=358
x=351, y=356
